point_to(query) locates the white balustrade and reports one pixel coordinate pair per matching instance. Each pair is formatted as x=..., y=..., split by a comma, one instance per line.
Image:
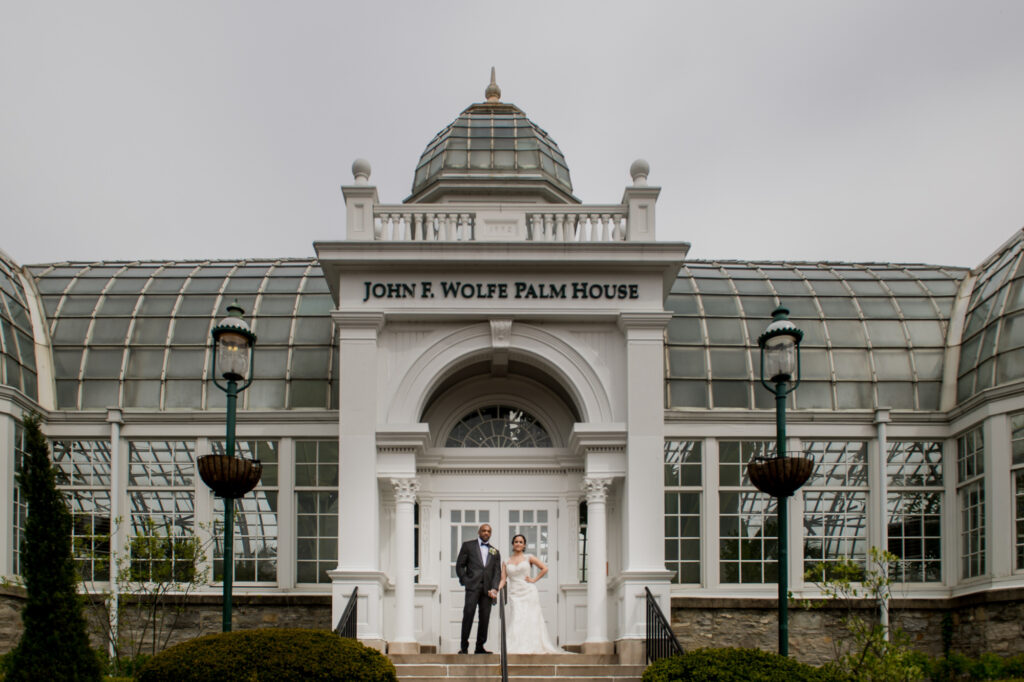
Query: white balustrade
x=455, y=223
x=430, y=226
x=579, y=225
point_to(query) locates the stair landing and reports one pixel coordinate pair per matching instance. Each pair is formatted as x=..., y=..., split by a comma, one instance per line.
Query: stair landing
x=526, y=667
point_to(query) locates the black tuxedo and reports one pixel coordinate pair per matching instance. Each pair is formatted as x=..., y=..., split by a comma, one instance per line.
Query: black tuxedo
x=478, y=579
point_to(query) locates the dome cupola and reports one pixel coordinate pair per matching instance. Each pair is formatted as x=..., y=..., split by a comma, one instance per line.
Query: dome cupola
x=492, y=151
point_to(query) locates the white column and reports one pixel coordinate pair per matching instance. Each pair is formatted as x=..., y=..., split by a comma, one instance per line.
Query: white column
x=405, y=499
x=879, y=510
x=115, y=419
x=358, y=494
x=644, y=550
x=643, y=547
x=597, y=559
x=999, y=503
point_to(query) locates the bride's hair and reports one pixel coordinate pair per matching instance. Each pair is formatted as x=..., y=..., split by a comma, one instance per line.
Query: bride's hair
x=518, y=535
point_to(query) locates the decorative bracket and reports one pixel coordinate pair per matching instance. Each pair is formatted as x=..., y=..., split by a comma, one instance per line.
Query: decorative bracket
x=501, y=340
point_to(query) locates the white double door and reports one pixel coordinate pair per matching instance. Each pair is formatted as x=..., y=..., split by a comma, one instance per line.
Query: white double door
x=535, y=521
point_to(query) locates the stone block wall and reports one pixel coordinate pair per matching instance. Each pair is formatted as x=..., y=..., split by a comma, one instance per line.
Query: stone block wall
x=12, y=599
x=984, y=622
x=198, y=615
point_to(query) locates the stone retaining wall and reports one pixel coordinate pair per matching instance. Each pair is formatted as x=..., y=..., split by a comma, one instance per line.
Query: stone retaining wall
x=200, y=615
x=987, y=621
x=12, y=599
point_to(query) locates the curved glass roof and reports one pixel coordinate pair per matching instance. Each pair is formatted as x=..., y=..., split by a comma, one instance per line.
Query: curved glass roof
x=494, y=141
x=137, y=334
x=17, y=344
x=874, y=334
x=992, y=346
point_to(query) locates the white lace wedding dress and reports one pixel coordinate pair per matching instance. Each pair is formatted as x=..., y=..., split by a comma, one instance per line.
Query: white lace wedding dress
x=527, y=632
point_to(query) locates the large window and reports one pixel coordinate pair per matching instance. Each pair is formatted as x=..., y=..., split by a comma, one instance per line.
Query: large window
x=1017, y=462
x=83, y=474
x=316, y=504
x=161, y=479
x=970, y=471
x=255, y=534
x=682, y=510
x=835, y=505
x=19, y=507
x=749, y=539
x=914, y=510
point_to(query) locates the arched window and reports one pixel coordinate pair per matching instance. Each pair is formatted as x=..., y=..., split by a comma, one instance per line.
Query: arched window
x=498, y=426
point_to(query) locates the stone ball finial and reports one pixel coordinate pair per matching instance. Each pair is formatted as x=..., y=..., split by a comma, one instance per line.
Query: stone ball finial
x=361, y=171
x=493, y=92
x=639, y=170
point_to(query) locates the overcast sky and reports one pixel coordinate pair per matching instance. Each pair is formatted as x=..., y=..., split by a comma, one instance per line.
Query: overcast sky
x=861, y=131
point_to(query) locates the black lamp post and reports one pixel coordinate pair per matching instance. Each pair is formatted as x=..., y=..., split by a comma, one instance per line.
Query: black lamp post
x=781, y=476
x=231, y=477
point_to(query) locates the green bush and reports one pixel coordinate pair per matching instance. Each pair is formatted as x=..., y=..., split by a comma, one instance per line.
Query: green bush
x=733, y=665
x=269, y=655
x=54, y=644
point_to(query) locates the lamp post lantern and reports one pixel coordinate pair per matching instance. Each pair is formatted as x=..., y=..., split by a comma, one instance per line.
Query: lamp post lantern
x=229, y=476
x=782, y=475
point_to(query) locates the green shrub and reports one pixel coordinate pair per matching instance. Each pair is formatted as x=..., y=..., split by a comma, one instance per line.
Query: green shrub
x=54, y=644
x=733, y=665
x=269, y=655
x=1014, y=666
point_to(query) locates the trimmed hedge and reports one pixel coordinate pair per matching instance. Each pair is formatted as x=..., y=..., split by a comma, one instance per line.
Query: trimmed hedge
x=272, y=654
x=733, y=665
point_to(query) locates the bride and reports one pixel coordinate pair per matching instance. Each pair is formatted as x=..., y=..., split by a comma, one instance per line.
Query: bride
x=527, y=632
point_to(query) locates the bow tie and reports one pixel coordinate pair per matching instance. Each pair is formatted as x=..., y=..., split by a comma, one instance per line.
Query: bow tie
x=484, y=544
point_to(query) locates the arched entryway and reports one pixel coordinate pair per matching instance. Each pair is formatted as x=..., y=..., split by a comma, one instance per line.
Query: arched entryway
x=499, y=455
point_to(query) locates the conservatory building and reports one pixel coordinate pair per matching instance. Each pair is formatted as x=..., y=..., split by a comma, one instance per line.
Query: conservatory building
x=491, y=350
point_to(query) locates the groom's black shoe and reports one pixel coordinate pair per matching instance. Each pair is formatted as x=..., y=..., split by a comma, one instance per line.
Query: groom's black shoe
x=481, y=651
x=463, y=651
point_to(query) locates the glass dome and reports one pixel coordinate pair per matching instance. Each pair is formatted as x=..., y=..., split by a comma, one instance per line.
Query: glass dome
x=992, y=346
x=17, y=345
x=874, y=334
x=487, y=146
x=137, y=334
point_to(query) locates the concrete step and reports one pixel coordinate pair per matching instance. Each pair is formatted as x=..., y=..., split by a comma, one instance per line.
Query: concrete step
x=526, y=667
x=492, y=678
x=477, y=658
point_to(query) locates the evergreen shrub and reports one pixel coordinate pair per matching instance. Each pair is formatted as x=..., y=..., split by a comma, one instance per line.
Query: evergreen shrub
x=54, y=644
x=734, y=665
x=271, y=654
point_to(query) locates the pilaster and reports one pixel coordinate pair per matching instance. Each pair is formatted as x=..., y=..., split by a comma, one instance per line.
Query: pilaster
x=358, y=493
x=404, y=640
x=597, y=642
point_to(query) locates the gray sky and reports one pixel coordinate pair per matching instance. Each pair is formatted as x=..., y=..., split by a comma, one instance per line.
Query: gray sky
x=880, y=131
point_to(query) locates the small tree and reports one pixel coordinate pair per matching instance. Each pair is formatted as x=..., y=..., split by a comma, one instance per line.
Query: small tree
x=155, y=576
x=869, y=651
x=54, y=645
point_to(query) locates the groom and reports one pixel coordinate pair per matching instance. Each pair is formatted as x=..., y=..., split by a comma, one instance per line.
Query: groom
x=479, y=571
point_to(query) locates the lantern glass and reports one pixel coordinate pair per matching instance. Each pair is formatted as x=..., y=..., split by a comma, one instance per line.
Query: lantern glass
x=780, y=357
x=233, y=355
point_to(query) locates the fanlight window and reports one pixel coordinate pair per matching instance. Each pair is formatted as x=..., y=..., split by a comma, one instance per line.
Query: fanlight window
x=498, y=426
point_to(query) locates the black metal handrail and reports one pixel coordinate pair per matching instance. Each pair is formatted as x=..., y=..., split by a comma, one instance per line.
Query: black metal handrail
x=660, y=642
x=502, y=600
x=347, y=623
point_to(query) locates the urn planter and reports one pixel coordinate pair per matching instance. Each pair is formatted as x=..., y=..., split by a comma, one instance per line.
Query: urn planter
x=229, y=477
x=779, y=476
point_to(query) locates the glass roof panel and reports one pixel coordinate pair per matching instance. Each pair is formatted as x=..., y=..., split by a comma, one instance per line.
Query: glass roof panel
x=720, y=305
x=834, y=306
x=886, y=333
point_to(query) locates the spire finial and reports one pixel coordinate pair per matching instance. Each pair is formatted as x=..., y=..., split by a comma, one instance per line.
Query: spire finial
x=493, y=92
